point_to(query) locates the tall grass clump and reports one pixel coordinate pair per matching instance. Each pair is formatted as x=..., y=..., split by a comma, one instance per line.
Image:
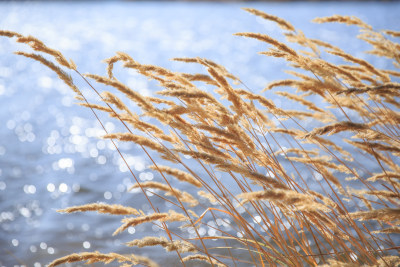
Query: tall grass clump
x=316, y=185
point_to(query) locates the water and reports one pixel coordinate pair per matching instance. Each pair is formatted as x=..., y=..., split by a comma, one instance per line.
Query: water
x=50, y=154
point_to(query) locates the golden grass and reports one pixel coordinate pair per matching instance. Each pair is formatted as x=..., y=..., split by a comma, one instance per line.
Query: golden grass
x=268, y=156
x=102, y=208
x=93, y=257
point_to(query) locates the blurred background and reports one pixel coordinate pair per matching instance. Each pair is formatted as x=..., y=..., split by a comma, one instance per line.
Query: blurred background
x=51, y=155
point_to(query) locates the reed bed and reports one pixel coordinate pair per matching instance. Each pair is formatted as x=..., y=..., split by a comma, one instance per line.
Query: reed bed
x=317, y=185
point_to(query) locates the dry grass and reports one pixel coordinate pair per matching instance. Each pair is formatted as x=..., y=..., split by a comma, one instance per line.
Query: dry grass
x=278, y=218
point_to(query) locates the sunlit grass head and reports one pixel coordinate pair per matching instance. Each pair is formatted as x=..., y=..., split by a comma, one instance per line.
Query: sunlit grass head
x=315, y=184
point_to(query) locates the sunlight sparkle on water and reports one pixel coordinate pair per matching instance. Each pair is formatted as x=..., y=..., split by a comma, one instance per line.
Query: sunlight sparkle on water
x=43, y=245
x=64, y=163
x=93, y=152
x=86, y=244
x=138, y=163
x=146, y=176
x=11, y=124
x=29, y=189
x=63, y=188
x=101, y=145
x=2, y=150
x=3, y=185
x=101, y=159
x=51, y=187
x=107, y=195
x=85, y=227
x=25, y=212
x=33, y=248
x=15, y=242
x=45, y=82
x=50, y=250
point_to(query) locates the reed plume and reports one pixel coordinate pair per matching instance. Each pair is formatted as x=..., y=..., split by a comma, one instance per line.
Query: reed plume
x=274, y=186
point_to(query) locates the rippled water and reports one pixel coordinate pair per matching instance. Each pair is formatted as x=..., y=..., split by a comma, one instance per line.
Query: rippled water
x=50, y=156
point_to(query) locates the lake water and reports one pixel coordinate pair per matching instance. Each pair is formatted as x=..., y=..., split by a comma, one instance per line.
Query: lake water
x=50, y=153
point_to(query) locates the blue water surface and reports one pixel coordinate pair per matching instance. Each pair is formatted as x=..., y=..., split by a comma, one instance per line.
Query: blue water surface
x=51, y=156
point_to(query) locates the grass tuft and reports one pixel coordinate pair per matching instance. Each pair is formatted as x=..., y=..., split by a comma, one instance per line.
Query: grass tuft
x=309, y=186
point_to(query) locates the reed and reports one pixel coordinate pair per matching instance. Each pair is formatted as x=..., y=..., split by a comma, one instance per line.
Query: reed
x=262, y=210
